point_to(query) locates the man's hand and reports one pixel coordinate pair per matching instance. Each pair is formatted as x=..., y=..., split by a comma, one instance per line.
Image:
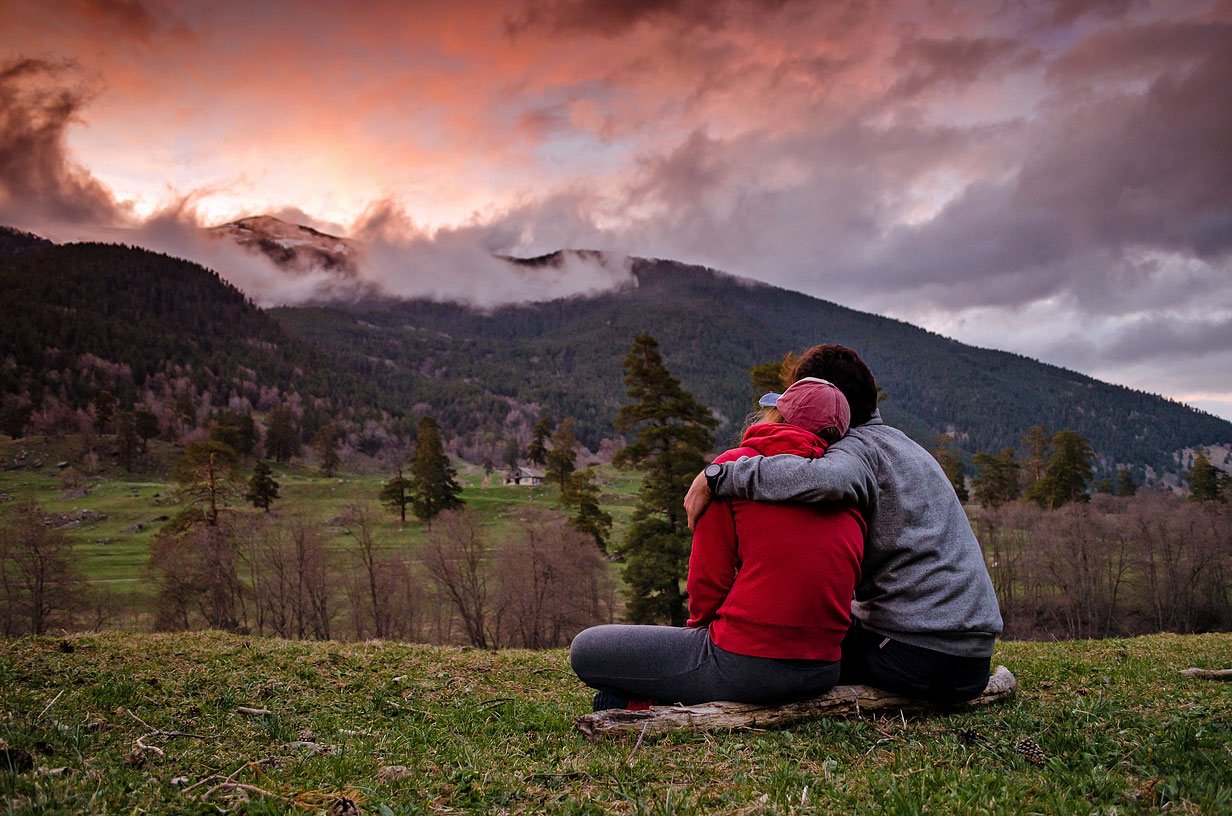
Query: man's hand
x=697, y=499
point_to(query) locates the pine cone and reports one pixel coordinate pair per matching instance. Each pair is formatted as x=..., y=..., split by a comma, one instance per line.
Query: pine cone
x=1031, y=750
x=342, y=806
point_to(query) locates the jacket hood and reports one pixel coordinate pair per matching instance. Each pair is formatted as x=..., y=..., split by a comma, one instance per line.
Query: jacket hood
x=773, y=438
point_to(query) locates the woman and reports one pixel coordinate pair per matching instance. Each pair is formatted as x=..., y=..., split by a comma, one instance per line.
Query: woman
x=769, y=586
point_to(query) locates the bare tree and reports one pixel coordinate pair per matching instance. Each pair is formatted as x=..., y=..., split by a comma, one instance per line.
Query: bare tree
x=39, y=585
x=369, y=595
x=455, y=558
x=553, y=583
x=197, y=573
x=290, y=579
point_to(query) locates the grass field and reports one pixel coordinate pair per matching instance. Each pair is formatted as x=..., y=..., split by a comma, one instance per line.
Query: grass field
x=114, y=516
x=407, y=730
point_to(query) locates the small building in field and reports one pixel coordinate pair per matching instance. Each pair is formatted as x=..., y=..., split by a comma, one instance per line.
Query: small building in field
x=524, y=476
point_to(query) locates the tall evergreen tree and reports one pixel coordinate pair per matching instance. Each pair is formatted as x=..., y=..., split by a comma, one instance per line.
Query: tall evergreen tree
x=996, y=478
x=104, y=410
x=581, y=493
x=396, y=493
x=537, y=450
x=326, y=443
x=15, y=416
x=1038, y=447
x=562, y=458
x=951, y=465
x=672, y=437
x=511, y=454
x=126, y=438
x=1206, y=482
x=262, y=488
x=206, y=477
x=1068, y=472
x=146, y=425
x=433, y=482
x=282, y=437
x=1126, y=486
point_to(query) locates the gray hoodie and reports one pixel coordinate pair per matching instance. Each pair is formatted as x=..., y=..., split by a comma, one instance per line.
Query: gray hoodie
x=924, y=577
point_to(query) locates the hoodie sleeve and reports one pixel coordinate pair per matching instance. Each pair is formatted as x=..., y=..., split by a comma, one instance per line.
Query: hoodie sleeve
x=712, y=563
x=844, y=474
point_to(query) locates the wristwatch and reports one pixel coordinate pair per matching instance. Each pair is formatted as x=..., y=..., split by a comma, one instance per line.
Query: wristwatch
x=713, y=472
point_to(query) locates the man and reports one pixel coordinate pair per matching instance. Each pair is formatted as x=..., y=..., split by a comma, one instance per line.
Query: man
x=925, y=615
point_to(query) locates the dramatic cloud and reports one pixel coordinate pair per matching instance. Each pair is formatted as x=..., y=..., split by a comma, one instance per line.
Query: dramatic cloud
x=39, y=181
x=1051, y=178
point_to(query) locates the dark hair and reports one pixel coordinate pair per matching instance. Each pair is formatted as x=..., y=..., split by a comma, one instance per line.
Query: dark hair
x=843, y=367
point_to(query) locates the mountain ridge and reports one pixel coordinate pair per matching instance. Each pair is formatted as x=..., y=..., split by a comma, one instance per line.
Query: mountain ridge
x=488, y=373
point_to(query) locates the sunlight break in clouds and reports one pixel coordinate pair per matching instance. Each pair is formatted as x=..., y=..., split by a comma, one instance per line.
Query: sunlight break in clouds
x=1052, y=178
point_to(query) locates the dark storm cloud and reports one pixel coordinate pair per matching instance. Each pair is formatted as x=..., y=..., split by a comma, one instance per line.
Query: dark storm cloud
x=1133, y=171
x=39, y=181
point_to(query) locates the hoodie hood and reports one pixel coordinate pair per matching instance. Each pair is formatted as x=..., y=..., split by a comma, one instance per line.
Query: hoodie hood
x=773, y=438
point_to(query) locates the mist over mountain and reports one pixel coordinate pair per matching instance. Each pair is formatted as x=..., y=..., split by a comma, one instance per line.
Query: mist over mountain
x=82, y=317
x=564, y=356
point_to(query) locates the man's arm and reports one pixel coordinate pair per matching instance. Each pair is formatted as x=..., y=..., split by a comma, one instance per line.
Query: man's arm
x=844, y=474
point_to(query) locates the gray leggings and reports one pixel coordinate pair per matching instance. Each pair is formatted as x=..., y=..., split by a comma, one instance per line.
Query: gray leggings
x=669, y=665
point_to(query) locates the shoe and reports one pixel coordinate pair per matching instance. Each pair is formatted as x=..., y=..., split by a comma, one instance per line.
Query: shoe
x=605, y=701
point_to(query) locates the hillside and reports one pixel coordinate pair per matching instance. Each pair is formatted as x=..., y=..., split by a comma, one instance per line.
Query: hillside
x=472, y=368
x=80, y=318
x=403, y=729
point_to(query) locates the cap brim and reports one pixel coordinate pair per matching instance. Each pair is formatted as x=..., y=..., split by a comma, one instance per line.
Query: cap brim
x=769, y=400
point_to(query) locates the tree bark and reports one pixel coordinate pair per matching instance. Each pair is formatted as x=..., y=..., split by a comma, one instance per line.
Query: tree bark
x=1208, y=674
x=840, y=701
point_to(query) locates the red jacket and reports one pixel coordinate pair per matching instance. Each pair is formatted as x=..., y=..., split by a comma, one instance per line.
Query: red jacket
x=771, y=579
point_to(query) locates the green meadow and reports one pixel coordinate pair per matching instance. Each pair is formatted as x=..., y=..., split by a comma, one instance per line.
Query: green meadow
x=208, y=722
x=112, y=516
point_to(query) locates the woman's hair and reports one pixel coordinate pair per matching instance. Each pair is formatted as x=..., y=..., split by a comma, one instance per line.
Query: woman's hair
x=768, y=414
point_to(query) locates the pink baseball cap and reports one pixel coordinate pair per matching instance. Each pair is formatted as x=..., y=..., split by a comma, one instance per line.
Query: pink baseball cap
x=813, y=404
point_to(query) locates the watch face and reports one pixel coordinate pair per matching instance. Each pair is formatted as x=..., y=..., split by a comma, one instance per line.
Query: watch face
x=713, y=470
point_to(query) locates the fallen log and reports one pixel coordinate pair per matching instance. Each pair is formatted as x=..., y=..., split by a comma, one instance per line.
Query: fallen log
x=1208, y=674
x=840, y=701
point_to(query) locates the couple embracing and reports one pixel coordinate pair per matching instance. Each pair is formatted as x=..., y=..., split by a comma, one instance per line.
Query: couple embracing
x=827, y=548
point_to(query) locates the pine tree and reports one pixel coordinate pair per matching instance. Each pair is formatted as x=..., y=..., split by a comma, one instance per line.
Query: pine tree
x=562, y=458
x=951, y=465
x=282, y=437
x=126, y=438
x=104, y=410
x=396, y=493
x=1125, y=483
x=1068, y=472
x=326, y=443
x=537, y=451
x=14, y=417
x=1206, y=481
x=511, y=454
x=206, y=477
x=262, y=489
x=1038, y=447
x=996, y=478
x=433, y=481
x=581, y=492
x=146, y=425
x=673, y=435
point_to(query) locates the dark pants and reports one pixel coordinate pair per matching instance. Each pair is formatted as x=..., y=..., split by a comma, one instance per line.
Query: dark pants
x=668, y=664
x=913, y=671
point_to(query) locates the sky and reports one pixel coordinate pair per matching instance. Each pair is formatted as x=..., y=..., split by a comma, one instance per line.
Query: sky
x=1050, y=177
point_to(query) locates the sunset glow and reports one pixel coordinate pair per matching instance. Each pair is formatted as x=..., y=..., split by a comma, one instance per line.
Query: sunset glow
x=1050, y=178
